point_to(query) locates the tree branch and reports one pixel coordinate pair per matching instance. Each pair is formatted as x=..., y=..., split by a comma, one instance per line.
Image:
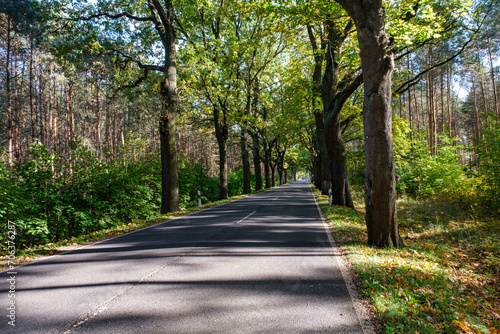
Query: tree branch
x=412, y=82
x=113, y=17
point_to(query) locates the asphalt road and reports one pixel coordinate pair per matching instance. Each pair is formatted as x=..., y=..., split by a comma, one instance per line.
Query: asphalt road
x=261, y=264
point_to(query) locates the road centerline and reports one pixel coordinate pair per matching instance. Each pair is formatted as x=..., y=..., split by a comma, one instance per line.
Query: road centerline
x=247, y=216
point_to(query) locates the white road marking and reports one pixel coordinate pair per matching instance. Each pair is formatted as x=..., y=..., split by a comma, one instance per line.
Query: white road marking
x=246, y=217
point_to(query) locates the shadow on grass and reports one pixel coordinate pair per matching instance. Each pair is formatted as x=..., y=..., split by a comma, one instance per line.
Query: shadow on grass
x=444, y=281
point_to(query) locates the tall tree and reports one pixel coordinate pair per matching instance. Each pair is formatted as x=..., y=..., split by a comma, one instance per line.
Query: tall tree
x=335, y=77
x=158, y=20
x=264, y=41
x=16, y=18
x=377, y=65
x=336, y=91
x=322, y=177
x=213, y=58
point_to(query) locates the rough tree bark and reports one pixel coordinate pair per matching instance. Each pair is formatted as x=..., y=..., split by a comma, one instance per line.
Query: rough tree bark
x=377, y=66
x=255, y=139
x=334, y=96
x=170, y=101
x=245, y=155
x=245, y=159
x=322, y=176
x=8, y=88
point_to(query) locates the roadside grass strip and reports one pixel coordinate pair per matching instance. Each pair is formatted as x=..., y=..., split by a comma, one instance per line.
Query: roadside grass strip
x=446, y=279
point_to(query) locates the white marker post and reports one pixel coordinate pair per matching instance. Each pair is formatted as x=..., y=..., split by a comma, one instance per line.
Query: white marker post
x=199, y=198
x=330, y=197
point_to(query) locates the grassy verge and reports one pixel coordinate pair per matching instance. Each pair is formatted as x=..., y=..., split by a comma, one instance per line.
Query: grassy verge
x=446, y=280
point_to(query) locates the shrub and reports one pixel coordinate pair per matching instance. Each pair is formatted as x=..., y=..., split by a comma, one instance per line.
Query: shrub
x=49, y=200
x=193, y=177
x=424, y=174
x=488, y=152
x=235, y=181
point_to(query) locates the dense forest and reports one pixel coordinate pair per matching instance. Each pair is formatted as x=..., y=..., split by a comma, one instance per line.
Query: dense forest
x=116, y=110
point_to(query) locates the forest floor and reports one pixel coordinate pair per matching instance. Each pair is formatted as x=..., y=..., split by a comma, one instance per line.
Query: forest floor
x=446, y=279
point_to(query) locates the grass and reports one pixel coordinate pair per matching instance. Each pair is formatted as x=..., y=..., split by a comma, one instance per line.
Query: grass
x=446, y=279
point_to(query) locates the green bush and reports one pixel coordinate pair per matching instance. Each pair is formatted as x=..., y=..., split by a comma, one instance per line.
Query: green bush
x=49, y=199
x=424, y=174
x=235, y=181
x=488, y=152
x=193, y=177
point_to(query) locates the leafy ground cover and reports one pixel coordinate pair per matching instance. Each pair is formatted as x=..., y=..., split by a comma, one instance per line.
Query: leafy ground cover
x=446, y=279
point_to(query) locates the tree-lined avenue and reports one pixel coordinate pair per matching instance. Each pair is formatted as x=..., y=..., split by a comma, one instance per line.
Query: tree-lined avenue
x=261, y=264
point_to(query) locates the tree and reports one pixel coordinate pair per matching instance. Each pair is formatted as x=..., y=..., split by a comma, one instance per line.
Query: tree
x=155, y=20
x=322, y=176
x=214, y=60
x=264, y=41
x=335, y=92
x=16, y=18
x=377, y=65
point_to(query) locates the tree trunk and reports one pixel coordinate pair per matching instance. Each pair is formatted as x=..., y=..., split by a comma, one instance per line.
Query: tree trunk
x=341, y=191
x=431, y=107
x=8, y=88
x=333, y=102
x=410, y=111
x=448, y=97
x=256, y=160
x=31, y=93
x=16, y=108
x=280, y=163
x=441, y=95
x=245, y=156
x=170, y=190
x=325, y=179
x=97, y=120
x=223, y=186
x=267, y=162
x=170, y=100
x=255, y=138
x=477, y=126
x=377, y=65
x=322, y=176
x=245, y=159
x=493, y=81
x=273, y=174
x=222, y=135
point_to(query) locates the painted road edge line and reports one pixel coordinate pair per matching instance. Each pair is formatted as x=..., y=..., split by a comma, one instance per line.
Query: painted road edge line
x=361, y=312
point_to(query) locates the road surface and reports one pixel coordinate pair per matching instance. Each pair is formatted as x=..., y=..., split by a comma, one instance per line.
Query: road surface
x=261, y=264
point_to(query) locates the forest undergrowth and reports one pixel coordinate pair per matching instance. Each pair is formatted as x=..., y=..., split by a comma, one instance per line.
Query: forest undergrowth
x=446, y=279
x=52, y=206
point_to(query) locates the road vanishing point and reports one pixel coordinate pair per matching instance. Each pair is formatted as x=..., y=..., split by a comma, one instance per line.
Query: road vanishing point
x=261, y=264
